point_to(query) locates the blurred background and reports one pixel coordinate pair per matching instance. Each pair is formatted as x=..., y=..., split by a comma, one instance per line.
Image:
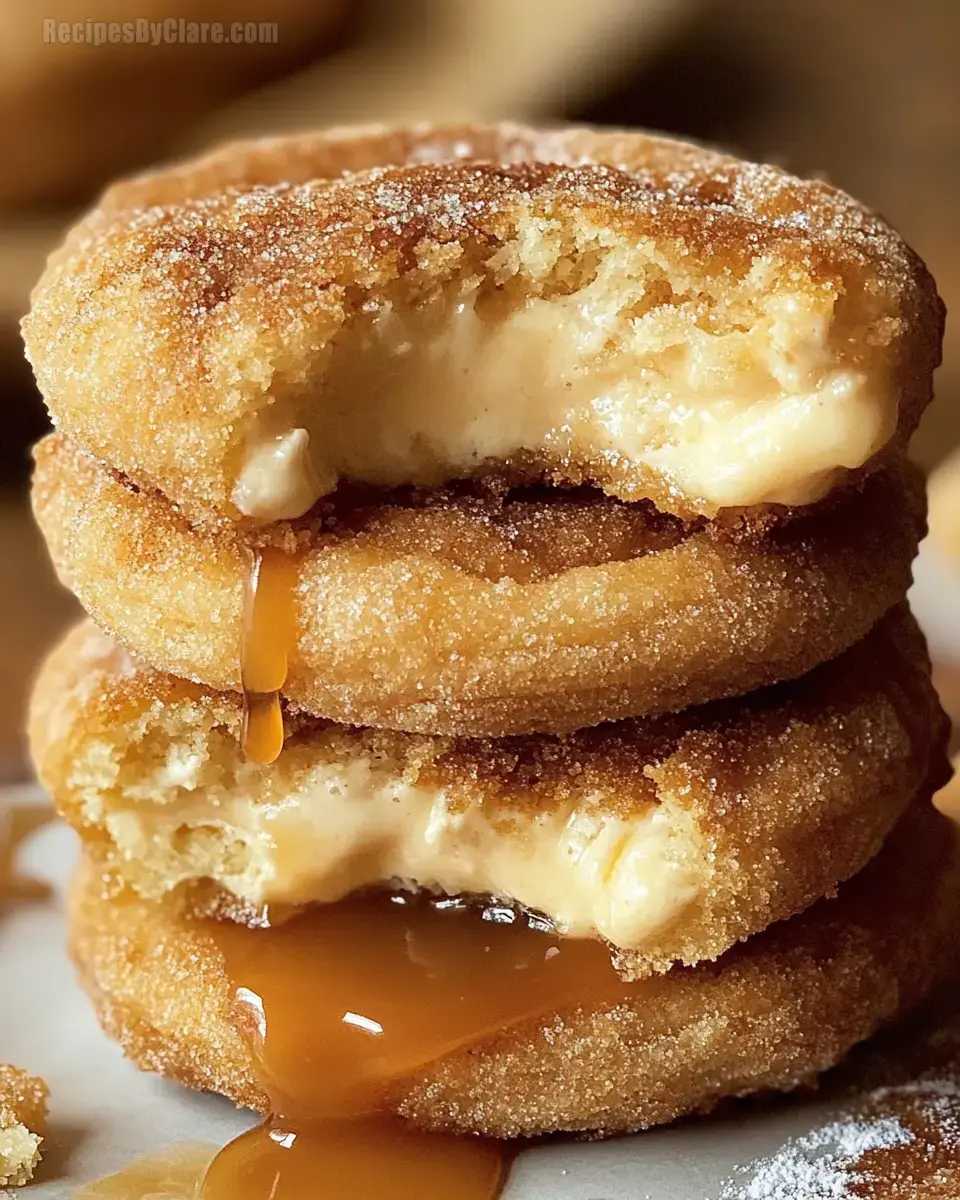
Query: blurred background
x=864, y=92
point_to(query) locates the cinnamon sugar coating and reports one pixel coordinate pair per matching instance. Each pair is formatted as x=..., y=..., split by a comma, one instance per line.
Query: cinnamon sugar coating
x=204, y=307
x=489, y=614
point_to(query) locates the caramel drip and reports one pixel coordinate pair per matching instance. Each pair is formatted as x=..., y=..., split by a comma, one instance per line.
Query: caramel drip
x=373, y=1158
x=269, y=635
x=343, y=1004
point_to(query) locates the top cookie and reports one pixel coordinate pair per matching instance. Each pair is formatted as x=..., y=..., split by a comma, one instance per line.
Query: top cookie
x=414, y=305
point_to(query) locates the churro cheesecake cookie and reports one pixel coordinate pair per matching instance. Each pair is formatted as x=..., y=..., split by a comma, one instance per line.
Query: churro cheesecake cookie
x=487, y=613
x=411, y=306
x=501, y=709
x=668, y=838
x=602, y=1055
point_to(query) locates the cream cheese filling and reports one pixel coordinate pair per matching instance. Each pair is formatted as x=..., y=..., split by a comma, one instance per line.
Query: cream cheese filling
x=727, y=411
x=351, y=825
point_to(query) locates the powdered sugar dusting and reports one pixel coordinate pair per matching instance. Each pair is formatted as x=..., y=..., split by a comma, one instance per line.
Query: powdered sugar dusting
x=899, y=1143
x=822, y=1164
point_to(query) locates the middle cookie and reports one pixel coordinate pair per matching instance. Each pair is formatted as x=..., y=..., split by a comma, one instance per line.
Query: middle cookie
x=487, y=615
x=670, y=837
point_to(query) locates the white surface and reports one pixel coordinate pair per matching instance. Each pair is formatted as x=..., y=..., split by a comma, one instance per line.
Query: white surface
x=104, y=1113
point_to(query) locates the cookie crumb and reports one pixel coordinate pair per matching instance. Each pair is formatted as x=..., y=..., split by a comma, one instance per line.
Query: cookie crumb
x=23, y=1118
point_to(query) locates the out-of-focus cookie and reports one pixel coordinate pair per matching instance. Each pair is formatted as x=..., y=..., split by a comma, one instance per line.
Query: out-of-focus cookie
x=944, y=496
x=85, y=93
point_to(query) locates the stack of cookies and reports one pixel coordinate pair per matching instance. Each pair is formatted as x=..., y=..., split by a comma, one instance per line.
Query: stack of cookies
x=519, y=520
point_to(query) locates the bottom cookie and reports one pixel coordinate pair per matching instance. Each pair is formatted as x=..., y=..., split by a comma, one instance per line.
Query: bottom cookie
x=771, y=1014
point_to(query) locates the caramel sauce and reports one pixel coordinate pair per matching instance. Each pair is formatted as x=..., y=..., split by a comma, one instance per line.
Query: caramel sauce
x=269, y=634
x=340, y=1005
x=171, y=1174
x=366, y=1159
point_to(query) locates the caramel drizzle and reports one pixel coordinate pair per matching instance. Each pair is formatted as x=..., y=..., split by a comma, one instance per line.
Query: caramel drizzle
x=174, y=1173
x=343, y=1002
x=367, y=1158
x=269, y=636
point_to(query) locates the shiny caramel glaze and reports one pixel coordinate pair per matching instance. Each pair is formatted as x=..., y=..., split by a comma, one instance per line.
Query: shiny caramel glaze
x=338, y=1004
x=369, y=1158
x=269, y=635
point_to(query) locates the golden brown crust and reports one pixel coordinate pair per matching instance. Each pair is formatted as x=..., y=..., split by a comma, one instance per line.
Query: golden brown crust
x=779, y=795
x=195, y=298
x=484, y=616
x=23, y=1120
x=773, y=1013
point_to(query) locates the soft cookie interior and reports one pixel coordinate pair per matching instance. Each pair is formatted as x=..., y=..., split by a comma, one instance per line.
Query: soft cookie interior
x=668, y=837
x=413, y=306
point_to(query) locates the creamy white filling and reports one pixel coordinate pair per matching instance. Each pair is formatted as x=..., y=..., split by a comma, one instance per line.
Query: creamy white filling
x=349, y=826
x=747, y=415
x=278, y=480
